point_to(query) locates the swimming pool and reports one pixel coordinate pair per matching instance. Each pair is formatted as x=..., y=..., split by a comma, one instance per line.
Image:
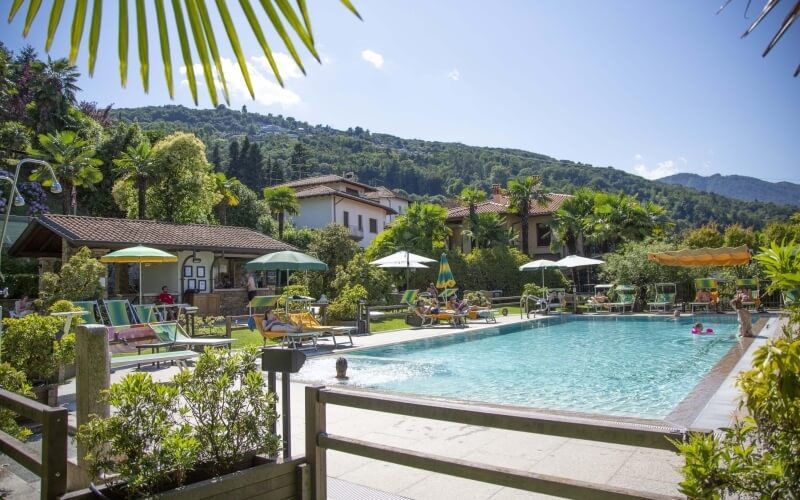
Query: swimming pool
x=629, y=366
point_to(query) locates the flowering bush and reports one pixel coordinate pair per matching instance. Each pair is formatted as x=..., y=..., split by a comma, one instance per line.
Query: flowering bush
x=35, y=199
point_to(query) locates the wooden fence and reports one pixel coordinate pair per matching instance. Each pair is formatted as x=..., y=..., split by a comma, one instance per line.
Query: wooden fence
x=318, y=441
x=50, y=464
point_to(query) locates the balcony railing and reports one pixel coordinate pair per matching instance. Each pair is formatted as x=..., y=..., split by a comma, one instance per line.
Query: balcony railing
x=356, y=233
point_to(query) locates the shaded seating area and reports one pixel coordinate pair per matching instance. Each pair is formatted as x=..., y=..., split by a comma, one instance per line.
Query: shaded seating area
x=706, y=294
x=664, y=297
x=624, y=297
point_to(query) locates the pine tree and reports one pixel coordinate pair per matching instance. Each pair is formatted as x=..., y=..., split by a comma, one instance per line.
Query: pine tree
x=233, y=157
x=299, y=161
x=253, y=173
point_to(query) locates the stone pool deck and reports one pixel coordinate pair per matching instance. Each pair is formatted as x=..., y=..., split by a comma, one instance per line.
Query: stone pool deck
x=652, y=472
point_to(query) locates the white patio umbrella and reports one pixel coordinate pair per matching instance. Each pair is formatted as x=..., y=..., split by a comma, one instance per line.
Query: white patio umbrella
x=539, y=264
x=402, y=260
x=402, y=257
x=574, y=261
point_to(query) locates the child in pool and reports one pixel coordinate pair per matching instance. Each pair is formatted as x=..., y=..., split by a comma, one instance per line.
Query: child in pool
x=698, y=329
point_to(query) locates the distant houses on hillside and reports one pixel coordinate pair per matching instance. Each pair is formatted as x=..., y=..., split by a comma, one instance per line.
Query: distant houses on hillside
x=540, y=218
x=332, y=199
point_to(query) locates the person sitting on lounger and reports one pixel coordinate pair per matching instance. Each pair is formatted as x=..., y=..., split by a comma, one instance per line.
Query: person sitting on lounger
x=459, y=306
x=600, y=298
x=702, y=296
x=273, y=324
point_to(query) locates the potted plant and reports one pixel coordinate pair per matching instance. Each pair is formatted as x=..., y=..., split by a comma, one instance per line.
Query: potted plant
x=209, y=422
x=31, y=344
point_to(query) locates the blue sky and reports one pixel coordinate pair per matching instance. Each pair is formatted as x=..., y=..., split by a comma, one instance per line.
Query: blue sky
x=653, y=88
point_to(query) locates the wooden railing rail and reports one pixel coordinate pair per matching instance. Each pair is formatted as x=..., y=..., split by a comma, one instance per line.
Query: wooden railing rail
x=624, y=433
x=50, y=464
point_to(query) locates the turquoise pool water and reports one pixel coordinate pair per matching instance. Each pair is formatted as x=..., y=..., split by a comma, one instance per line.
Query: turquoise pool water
x=631, y=366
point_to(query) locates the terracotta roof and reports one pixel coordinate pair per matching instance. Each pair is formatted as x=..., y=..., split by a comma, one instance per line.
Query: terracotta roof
x=120, y=233
x=499, y=205
x=327, y=191
x=384, y=192
x=302, y=184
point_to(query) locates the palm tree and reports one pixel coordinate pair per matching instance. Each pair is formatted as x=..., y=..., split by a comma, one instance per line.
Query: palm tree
x=281, y=200
x=137, y=164
x=571, y=220
x=224, y=187
x=470, y=197
x=198, y=39
x=522, y=196
x=73, y=160
x=489, y=230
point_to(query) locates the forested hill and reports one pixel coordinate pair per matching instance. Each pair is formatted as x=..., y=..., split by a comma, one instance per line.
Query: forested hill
x=416, y=166
x=740, y=187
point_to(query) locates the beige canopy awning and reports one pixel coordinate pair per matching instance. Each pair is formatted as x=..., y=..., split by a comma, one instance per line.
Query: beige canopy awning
x=697, y=257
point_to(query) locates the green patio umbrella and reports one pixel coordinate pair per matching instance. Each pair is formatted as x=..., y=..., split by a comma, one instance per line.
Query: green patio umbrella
x=445, y=278
x=138, y=255
x=286, y=260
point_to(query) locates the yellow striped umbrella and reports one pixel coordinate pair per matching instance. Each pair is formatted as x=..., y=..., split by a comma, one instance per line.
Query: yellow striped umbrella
x=445, y=278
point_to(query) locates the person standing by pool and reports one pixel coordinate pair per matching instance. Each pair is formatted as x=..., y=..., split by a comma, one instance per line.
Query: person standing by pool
x=744, y=316
x=251, y=287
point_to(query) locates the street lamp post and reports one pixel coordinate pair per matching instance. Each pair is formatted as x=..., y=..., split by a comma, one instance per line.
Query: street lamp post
x=18, y=201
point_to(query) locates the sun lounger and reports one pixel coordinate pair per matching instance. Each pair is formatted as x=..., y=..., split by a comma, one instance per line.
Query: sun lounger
x=751, y=286
x=600, y=300
x=705, y=285
x=147, y=313
x=451, y=317
x=172, y=331
x=90, y=311
x=119, y=313
x=626, y=296
x=152, y=358
x=664, y=299
x=309, y=323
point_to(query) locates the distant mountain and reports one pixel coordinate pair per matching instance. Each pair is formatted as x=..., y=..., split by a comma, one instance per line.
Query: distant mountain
x=740, y=187
x=432, y=170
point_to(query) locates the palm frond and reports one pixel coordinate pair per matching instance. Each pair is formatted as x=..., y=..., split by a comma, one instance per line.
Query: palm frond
x=769, y=5
x=287, y=20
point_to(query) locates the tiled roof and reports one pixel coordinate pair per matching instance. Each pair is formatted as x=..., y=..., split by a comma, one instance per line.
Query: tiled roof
x=326, y=191
x=383, y=192
x=80, y=230
x=302, y=184
x=499, y=205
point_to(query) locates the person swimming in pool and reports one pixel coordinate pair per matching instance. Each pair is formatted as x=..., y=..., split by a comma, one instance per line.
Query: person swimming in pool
x=697, y=329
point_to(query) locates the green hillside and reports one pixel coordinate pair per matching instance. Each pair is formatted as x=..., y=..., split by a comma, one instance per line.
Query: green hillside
x=421, y=167
x=740, y=187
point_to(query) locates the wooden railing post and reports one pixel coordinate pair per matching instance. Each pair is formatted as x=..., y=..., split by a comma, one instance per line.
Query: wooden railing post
x=316, y=456
x=54, y=453
x=228, y=326
x=92, y=377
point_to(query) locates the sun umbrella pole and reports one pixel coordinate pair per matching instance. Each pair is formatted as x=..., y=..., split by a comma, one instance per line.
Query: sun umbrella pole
x=140, y=282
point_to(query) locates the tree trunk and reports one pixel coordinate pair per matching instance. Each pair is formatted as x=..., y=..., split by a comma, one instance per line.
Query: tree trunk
x=142, y=189
x=222, y=212
x=280, y=226
x=66, y=197
x=524, y=226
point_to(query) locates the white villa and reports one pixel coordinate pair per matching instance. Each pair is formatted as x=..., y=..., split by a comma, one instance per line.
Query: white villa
x=333, y=199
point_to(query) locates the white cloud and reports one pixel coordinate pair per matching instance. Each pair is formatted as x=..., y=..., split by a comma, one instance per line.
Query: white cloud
x=373, y=58
x=662, y=169
x=266, y=89
x=286, y=65
x=454, y=75
x=683, y=160
x=638, y=157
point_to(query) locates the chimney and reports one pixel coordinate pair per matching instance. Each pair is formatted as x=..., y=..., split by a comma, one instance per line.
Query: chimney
x=497, y=192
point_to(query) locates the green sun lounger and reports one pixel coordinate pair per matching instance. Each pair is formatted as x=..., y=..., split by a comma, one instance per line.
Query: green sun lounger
x=89, y=308
x=172, y=331
x=626, y=295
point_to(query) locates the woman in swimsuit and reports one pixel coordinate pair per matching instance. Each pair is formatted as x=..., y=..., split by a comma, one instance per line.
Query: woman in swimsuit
x=273, y=324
